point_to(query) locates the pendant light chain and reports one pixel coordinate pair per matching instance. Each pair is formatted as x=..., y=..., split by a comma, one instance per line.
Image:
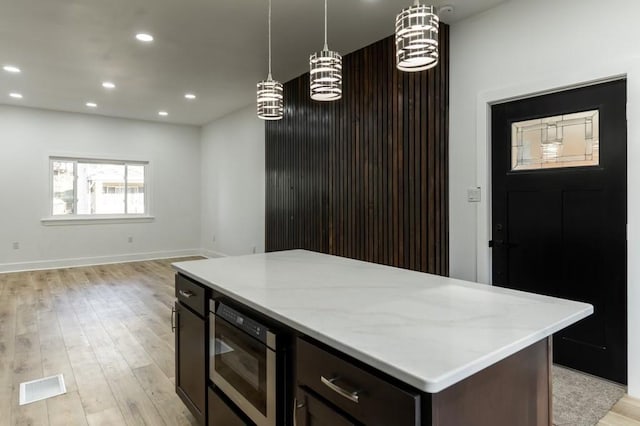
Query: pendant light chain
x=269, y=76
x=270, y=93
x=326, y=46
x=325, y=71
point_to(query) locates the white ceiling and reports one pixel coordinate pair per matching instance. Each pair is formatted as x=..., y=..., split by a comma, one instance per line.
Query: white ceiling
x=215, y=48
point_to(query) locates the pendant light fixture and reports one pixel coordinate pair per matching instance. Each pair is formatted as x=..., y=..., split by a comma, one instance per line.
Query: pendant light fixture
x=417, y=38
x=325, y=71
x=270, y=94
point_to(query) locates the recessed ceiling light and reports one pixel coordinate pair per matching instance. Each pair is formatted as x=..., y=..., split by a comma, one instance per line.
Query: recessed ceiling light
x=163, y=113
x=147, y=38
x=92, y=104
x=11, y=68
x=15, y=95
x=190, y=96
x=108, y=85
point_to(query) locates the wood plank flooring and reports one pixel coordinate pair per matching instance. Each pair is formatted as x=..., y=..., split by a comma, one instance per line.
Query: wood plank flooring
x=625, y=413
x=107, y=329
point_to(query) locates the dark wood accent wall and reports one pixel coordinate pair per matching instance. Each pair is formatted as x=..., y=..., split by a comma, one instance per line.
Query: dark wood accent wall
x=365, y=177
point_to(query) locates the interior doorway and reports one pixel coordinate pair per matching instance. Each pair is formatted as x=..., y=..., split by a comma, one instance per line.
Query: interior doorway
x=559, y=203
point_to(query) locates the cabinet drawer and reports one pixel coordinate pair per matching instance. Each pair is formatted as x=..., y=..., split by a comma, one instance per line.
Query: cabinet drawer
x=221, y=414
x=364, y=396
x=191, y=294
x=311, y=412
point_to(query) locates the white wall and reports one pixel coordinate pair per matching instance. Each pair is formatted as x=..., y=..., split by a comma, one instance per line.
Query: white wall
x=233, y=184
x=524, y=47
x=29, y=136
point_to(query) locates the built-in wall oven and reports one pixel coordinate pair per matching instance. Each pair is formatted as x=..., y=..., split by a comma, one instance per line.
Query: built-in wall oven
x=244, y=363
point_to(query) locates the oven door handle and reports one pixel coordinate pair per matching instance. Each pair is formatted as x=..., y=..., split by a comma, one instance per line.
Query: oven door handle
x=350, y=395
x=212, y=344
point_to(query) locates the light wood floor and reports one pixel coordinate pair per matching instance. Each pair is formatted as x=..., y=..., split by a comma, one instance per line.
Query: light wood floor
x=625, y=413
x=107, y=329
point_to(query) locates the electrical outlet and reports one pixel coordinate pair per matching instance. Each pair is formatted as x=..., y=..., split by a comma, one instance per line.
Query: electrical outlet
x=16, y=246
x=130, y=239
x=253, y=249
x=474, y=195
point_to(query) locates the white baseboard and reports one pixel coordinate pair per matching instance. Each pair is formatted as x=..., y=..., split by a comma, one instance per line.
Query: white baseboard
x=212, y=254
x=102, y=260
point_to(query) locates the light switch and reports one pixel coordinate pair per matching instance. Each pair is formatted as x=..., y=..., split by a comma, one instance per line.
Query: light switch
x=474, y=195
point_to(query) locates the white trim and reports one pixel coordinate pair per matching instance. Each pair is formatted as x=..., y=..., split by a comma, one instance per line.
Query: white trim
x=633, y=238
x=96, y=260
x=213, y=254
x=483, y=147
x=94, y=219
x=109, y=158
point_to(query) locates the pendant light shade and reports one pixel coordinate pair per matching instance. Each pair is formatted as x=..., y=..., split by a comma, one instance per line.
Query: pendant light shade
x=417, y=38
x=326, y=76
x=270, y=94
x=270, y=99
x=325, y=82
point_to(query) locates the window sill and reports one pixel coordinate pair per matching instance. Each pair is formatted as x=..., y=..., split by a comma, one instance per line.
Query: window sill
x=95, y=220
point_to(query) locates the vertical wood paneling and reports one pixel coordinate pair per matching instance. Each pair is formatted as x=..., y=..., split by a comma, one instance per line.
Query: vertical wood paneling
x=364, y=177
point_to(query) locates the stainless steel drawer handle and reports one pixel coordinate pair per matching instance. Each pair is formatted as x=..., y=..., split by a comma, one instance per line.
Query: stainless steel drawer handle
x=330, y=383
x=186, y=294
x=173, y=325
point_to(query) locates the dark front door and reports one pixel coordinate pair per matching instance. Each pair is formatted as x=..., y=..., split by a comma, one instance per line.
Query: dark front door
x=559, y=214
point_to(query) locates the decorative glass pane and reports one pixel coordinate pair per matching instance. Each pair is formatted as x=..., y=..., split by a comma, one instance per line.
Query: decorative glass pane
x=100, y=188
x=135, y=189
x=570, y=140
x=62, y=187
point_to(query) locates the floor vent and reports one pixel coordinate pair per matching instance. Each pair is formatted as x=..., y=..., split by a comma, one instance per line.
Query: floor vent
x=37, y=390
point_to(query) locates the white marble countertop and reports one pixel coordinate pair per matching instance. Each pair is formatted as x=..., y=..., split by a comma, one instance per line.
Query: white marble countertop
x=425, y=330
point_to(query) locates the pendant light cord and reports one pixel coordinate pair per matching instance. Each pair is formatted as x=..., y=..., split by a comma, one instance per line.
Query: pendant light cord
x=326, y=46
x=269, y=77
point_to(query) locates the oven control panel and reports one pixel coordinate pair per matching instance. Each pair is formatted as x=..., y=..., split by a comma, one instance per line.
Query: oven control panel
x=241, y=321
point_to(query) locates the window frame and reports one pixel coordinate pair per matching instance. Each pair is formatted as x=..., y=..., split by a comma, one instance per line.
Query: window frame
x=74, y=217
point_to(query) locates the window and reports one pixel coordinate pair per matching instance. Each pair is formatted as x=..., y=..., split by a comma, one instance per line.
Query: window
x=570, y=140
x=87, y=188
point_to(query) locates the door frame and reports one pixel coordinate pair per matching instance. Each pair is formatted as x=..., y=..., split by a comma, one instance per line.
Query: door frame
x=555, y=83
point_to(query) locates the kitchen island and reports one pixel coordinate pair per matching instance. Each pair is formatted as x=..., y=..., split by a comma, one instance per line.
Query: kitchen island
x=469, y=354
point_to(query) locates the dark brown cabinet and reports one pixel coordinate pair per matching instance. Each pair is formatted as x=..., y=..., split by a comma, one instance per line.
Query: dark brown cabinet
x=220, y=413
x=366, y=397
x=313, y=412
x=325, y=387
x=191, y=338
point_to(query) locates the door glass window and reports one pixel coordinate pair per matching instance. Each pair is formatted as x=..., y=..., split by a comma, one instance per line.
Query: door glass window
x=569, y=140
